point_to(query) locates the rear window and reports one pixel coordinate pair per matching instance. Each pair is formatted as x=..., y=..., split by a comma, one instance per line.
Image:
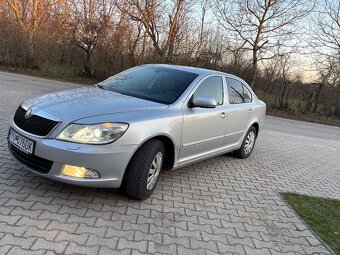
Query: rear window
x=247, y=95
x=158, y=84
x=237, y=92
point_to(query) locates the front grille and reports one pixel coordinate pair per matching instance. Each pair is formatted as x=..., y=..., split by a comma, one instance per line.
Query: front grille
x=35, y=124
x=31, y=161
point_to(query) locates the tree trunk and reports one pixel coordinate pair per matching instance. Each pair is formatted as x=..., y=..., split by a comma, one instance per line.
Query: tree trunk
x=173, y=31
x=31, y=51
x=170, y=56
x=254, y=71
x=317, y=95
x=287, y=97
x=87, y=65
x=31, y=35
x=159, y=51
x=281, y=103
x=256, y=45
x=337, y=103
x=277, y=96
x=200, y=41
x=310, y=101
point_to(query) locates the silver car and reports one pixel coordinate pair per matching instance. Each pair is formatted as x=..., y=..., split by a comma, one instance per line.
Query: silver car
x=126, y=129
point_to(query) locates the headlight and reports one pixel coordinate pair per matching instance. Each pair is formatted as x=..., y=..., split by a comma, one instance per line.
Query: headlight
x=93, y=134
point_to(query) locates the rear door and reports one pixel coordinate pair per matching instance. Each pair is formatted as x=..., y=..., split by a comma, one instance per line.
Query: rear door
x=240, y=110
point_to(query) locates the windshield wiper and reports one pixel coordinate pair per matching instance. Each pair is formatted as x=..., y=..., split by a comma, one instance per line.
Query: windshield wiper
x=241, y=96
x=99, y=86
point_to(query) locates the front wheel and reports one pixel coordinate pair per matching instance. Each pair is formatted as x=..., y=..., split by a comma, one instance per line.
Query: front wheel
x=144, y=169
x=247, y=145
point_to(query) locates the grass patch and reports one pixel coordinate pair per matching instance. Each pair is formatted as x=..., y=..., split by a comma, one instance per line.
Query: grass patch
x=56, y=73
x=322, y=215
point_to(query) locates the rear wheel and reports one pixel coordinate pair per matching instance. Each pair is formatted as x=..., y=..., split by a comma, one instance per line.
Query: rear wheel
x=144, y=169
x=247, y=145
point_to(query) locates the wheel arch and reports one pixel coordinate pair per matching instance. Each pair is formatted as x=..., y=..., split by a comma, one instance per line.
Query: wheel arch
x=257, y=127
x=169, y=151
x=169, y=147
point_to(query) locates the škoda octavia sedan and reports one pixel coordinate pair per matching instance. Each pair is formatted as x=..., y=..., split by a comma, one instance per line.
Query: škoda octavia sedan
x=126, y=129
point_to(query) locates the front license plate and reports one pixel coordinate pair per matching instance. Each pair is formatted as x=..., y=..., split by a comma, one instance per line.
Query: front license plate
x=21, y=142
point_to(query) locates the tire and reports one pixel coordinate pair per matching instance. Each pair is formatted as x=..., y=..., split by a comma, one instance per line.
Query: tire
x=149, y=156
x=245, y=150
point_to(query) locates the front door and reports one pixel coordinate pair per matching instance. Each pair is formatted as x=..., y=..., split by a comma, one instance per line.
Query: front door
x=204, y=128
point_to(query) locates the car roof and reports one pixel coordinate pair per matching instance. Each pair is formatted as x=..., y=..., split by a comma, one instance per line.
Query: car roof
x=196, y=70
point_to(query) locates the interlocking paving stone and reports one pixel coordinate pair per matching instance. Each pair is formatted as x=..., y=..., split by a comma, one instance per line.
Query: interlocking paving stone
x=221, y=205
x=57, y=246
x=33, y=231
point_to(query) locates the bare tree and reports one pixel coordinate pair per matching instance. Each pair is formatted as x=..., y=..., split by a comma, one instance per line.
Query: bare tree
x=174, y=27
x=326, y=44
x=30, y=16
x=261, y=25
x=100, y=39
x=286, y=79
x=148, y=13
x=90, y=20
x=205, y=6
x=158, y=24
x=326, y=33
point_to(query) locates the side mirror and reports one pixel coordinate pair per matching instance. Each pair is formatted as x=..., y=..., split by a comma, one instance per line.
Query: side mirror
x=204, y=102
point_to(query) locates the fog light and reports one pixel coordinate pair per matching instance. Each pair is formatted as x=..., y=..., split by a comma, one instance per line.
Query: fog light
x=79, y=172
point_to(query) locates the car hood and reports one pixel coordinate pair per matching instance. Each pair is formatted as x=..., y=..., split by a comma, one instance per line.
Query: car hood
x=89, y=101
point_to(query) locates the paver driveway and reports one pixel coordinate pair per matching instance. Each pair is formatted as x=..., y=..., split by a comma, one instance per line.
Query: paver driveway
x=222, y=205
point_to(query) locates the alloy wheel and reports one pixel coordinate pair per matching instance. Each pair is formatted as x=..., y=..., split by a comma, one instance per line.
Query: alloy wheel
x=250, y=141
x=154, y=171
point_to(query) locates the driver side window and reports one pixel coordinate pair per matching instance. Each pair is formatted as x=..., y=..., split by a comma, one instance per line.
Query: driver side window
x=211, y=87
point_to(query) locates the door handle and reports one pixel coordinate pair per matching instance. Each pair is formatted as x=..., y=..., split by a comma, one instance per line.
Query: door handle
x=250, y=111
x=223, y=115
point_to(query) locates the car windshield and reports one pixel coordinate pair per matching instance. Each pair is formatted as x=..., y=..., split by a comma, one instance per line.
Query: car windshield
x=158, y=84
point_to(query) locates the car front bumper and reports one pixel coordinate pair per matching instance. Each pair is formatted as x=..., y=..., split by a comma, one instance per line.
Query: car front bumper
x=109, y=160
